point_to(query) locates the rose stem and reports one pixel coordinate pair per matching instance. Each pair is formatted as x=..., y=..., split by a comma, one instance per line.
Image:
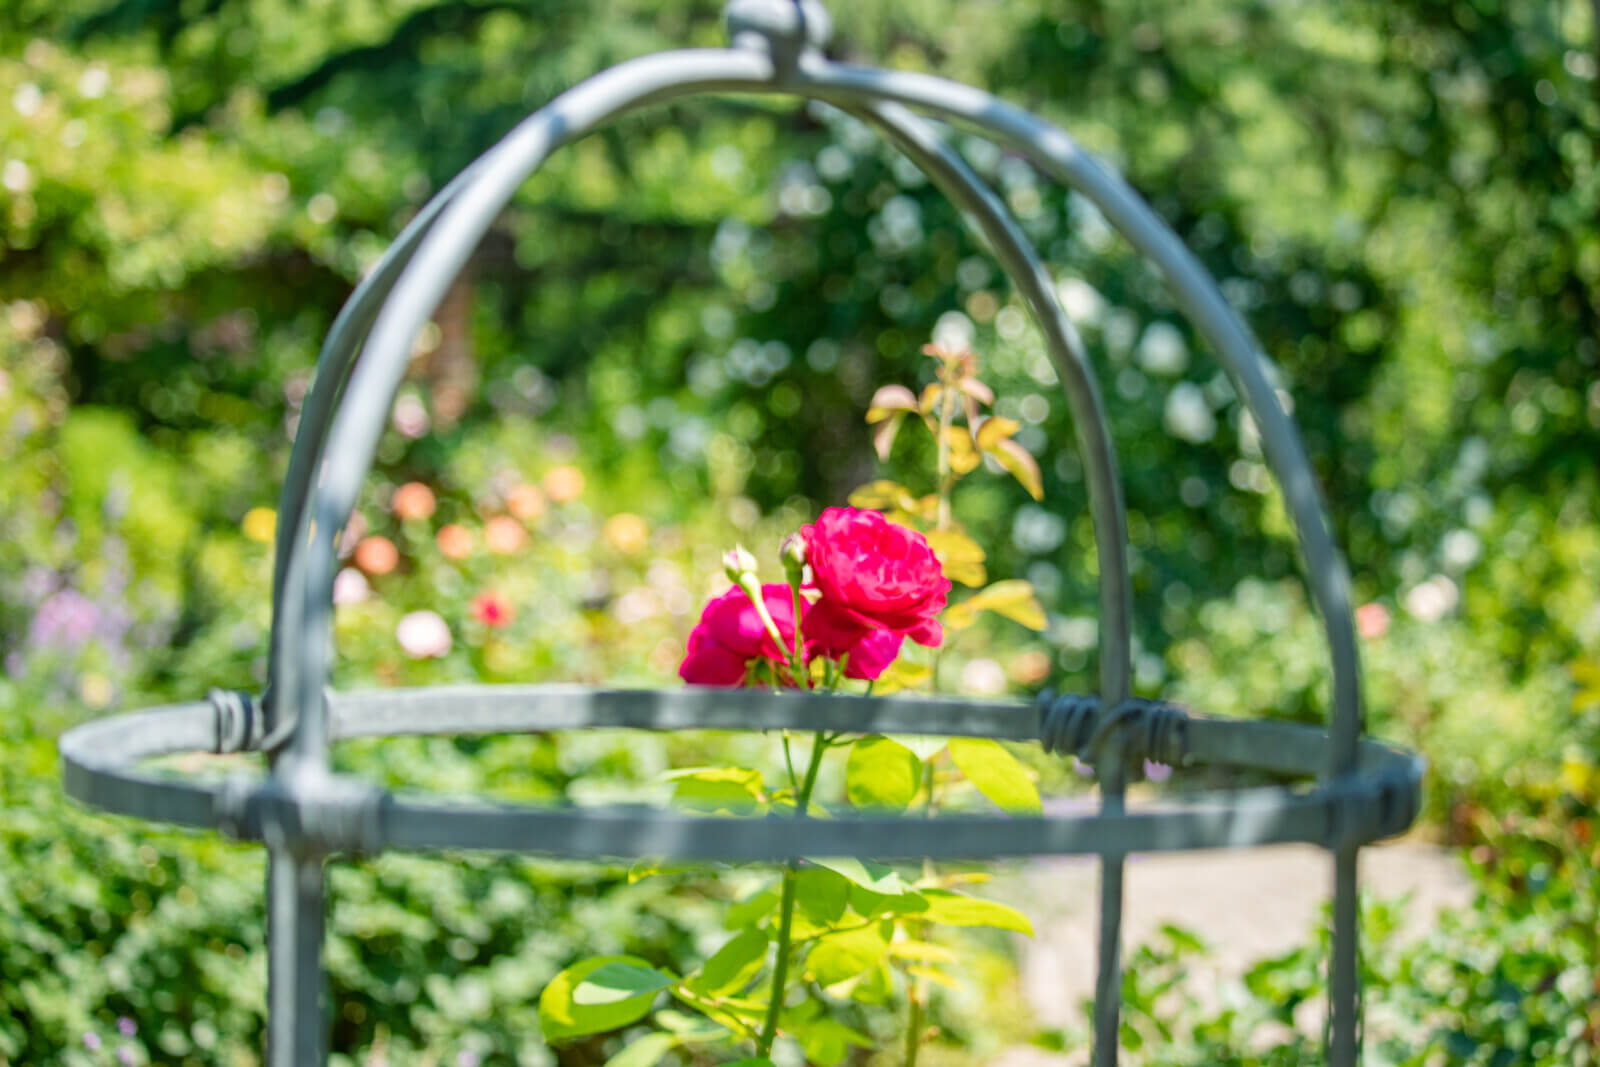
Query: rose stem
x=780, y=966
x=919, y=986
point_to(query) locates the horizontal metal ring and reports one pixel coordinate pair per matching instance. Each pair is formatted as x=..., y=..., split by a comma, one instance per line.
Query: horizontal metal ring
x=101, y=768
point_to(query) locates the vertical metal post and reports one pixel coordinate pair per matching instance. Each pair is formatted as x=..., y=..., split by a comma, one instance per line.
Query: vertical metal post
x=1344, y=979
x=296, y=1028
x=1111, y=769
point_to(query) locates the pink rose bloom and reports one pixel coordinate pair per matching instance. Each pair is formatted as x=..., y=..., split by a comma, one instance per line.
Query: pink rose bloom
x=876, y=575
x=423, y=635
x=730, y=635
x=830, y=632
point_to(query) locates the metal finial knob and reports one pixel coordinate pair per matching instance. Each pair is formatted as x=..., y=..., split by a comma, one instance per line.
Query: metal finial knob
x=783, y=27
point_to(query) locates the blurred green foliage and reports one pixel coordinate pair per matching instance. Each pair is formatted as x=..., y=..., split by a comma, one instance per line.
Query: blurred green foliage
x=691, y=310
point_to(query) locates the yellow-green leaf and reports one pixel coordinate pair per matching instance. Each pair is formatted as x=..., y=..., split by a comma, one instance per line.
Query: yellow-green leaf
x=874, y=877
x=901, y=675
x=625, y=989
x=839, y=957
x=735, y=789
x=882, y=494
x=960, y=556
x=881, y=773
x=934, y=975
x=996, y=773
x=1022, y=466
x=956, y=909
x=1012, y=598
x=926, y=951
x=645, y=1052
x=996, y=428
x=964, y=457
x=732, y=966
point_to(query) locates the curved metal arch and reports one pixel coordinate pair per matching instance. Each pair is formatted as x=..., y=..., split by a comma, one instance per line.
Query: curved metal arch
x=305, y=556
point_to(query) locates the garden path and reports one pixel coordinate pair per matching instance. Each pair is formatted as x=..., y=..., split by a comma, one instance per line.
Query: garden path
x=1245, y=905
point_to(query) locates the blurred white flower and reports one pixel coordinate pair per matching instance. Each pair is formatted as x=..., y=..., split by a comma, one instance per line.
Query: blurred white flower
x=1188, y=416
x=423, y=635
x=350, y=586
x=1433, y=599
x=1162, y=349
x=983, y=677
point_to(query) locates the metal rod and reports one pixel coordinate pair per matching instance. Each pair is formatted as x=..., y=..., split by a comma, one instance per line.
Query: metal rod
x=296, y=1022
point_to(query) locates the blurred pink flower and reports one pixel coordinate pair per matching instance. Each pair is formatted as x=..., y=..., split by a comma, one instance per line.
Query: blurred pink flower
x=423, y=635
x=504, y=535
x=350, y=587
x=1372, y=621
x=455, y=541
x=492, y=609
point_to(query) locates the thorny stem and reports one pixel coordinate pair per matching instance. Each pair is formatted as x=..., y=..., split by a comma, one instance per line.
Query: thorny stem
x=780, y=966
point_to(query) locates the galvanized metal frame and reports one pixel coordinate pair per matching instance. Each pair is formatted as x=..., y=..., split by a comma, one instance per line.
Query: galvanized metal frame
x=304, y=813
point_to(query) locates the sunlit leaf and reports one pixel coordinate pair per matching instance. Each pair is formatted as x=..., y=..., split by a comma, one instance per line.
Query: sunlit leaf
x=959, y=555
x=626, y=988
x=874, y=877
x=839, y=957
x=934, y=975
x=1013, y=598
x=996, y=428
x=888, y=400
x=931, y=395
x=964, y=457
x=732, y=966
x=645, y=1052
x=821, y=895
x=882, y=494
x=732, y=789
x=955, y=909
x=883, y=435
x=996, y=773
x=752, y=909
x=977, y=390
x=1022, y=466
x=901, y=675
x=925, y=951
x=881, y=773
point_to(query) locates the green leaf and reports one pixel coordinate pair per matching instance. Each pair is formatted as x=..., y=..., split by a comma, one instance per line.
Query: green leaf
x=881, y=773
x=732, y=966
x=923, y=746
x=996, y=773
x=752, y=909
x=868, y=904
x=821, y=895
x=753, y=1061
x=618, y=981
x=645, y=1052
x=840, y=957
x=870, y=876
x=956, y=909
x=733, y=789
x=562, y=1015
x=689, y=1028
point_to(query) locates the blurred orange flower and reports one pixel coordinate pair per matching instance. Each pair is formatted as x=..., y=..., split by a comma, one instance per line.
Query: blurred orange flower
x=504, y=535
x=526, y=502
x=626, y=533
x=412, y=501
x=455, y=541
x=377, y=555
x=564, y=484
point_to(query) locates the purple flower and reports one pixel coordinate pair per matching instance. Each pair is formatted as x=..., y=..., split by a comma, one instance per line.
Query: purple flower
x=467, y=1059
x=125, y=1055
x=126, y=1026
x=91, y=1041
x=65, y=620
x=1156, y=772
x=1082, y=768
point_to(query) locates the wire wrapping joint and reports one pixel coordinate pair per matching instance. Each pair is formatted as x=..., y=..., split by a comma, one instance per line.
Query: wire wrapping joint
x=1076, y=723
x=239, y=722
